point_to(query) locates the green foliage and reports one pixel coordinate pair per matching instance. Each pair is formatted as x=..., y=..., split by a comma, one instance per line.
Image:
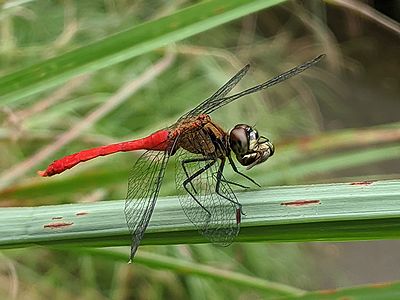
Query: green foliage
x=124, y=45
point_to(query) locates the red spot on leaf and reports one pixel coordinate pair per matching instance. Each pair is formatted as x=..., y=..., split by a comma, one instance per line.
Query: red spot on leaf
x=366, y=182
x=81, y=213
x=57, y=225
x=56, y=218
x=301, y=202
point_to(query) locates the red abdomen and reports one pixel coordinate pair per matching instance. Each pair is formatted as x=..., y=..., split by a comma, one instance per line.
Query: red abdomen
x=157, y=141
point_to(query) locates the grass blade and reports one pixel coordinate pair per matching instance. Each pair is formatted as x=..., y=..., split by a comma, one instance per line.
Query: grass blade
x=125, y=45
x=196, y=269
x=387, y=291
x=325, y=212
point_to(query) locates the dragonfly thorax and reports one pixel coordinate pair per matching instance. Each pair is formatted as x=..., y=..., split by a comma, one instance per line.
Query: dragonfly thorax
x=250, y=148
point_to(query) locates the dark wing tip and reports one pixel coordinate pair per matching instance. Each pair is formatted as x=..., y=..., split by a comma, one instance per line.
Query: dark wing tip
x=319, y=57
x=242, y=71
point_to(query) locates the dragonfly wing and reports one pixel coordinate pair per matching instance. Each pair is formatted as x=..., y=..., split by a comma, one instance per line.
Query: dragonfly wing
x=214, y=213
x=220, y=93
x=143, y=188
x=218, y=99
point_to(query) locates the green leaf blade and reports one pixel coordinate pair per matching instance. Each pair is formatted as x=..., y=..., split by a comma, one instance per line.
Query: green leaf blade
x=125, y=45
x=324, y=212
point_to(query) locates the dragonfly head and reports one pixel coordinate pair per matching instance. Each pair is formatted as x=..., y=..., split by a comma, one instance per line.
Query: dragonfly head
x=250, y=148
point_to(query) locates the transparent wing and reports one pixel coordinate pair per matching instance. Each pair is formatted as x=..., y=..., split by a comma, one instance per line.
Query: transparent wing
x=213, y=103
x=207, y=200
x=220, y=93
x=143, y=188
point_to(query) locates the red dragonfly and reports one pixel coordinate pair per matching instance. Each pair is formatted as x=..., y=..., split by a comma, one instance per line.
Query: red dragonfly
x=202, y=149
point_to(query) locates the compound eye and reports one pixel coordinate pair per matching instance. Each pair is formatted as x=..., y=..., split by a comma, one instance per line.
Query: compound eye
x=238, y=140
x=253, y=135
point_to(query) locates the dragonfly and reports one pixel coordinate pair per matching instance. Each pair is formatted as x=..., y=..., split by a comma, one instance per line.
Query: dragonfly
x=202, y=148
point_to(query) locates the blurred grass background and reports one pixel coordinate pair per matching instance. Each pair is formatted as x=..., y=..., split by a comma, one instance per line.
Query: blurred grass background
x=335, y=123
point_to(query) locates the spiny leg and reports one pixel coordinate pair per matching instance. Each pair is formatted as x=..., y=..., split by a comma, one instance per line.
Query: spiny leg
x=222, y=148
x=188, y=161
x=234, y=183
x=235, y=169
x=196, y=174
x=218, y=185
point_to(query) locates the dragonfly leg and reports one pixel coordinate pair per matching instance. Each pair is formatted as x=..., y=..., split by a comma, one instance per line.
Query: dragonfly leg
x=196, y=174
x=235, y=169
x=234, y=183
x=188, y=161
x=218, y=185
